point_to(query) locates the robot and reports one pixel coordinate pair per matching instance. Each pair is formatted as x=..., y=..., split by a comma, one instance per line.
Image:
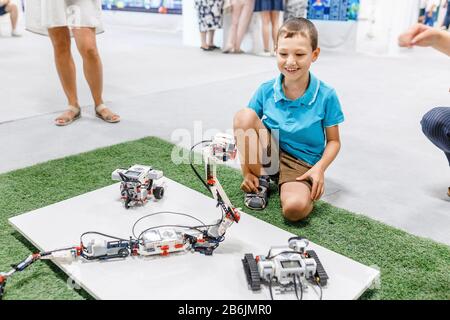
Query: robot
x=288, y=268
x=138, y=184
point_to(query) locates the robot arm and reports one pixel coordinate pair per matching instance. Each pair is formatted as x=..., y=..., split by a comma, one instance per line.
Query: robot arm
x=221, y=149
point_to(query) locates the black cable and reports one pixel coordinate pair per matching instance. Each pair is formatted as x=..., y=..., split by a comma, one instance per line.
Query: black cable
x=301, y=287
x=101, y=234
x=168, y=225
x=270, y=288
x=45, y=253
x=192, y=165
x=320, y=287
x=295, y=286
x=164, y=212
x=283, y=252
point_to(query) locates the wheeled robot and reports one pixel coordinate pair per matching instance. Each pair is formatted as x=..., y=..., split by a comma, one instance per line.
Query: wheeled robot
x=138, y=184
x=287, y=268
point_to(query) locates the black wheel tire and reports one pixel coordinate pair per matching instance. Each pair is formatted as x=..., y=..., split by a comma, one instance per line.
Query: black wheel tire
x=124, y=253
x=158, y=192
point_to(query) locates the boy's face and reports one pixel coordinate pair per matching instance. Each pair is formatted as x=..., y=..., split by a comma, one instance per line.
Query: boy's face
x=295, y=56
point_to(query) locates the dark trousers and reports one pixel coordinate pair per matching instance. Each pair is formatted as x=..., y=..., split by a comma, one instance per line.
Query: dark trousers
x=436, y=126
x=447, y=17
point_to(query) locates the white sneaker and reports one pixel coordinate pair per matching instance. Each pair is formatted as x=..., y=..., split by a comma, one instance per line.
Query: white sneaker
x=16, y=34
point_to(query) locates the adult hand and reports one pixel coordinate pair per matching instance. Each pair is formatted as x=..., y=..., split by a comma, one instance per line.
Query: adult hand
x=419, y=35
x=250, y=183
x=317, y=175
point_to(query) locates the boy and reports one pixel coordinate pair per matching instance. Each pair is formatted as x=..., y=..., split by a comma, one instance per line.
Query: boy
x=299, y=111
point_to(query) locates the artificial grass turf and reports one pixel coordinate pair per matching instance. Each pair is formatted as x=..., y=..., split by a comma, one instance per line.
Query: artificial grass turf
x=411, y=267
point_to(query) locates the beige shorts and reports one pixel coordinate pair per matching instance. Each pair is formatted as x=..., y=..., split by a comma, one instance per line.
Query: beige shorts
x=289, y=167
x=292, y=168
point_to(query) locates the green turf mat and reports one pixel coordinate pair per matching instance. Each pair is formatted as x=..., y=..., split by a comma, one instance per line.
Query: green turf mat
x=411, y=267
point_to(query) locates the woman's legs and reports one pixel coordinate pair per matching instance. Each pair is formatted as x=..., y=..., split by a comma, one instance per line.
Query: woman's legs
x=232, y=36
x=265, y=17
x=85, y=39
x=244, y=20
x=204, y=44
x=275, y=19
x=210, y=42
x=13, y=13
x=65, y=66
x=92, y=65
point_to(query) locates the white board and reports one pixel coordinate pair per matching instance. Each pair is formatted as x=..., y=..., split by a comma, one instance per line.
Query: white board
x=182, y=276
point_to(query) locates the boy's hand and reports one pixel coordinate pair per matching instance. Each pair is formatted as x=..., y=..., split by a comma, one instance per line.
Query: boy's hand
x=250, y=183
x=419, y=35
x=317, y=176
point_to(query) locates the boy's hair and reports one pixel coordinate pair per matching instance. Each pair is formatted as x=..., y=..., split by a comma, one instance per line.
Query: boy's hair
x=299, y=26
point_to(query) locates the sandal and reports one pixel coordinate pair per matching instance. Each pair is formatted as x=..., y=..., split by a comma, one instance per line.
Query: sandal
x=258, y=201
x=65, y=119
x=109, y=117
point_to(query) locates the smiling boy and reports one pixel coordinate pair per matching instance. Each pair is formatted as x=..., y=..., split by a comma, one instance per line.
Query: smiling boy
x=298, y=115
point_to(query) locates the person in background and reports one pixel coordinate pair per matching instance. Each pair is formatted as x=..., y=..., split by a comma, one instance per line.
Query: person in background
x=446, y=23
x=431, y=12
x=210, y=18
x=61, y=20
x=241, y=11
x=270, y=13
x=7, y=7
x=436, y=122
x=423, y=5
x=295, y=9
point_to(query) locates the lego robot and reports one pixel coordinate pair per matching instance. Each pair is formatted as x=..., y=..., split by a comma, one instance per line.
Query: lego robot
x=138, y=184
x=288, y=268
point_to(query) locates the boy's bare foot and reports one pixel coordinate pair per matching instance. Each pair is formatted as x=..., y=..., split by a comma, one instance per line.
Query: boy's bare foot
x=68, y=116
x=448, y=191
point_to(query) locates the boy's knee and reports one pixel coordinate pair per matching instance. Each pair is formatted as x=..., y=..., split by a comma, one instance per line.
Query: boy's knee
x=245, y=119
x=297, y=210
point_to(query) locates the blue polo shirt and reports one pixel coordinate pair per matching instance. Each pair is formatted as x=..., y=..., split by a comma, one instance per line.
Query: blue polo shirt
x=301, y=122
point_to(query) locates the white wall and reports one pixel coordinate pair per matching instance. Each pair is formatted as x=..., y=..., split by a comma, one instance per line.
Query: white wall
x=381, y=22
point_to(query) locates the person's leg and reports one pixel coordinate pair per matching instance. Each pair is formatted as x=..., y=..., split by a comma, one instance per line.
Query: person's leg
x=204, y=44
x=65, y=65
x=232, y=36
x=275, y=19
x=436, y=127
x=252, y=139
x=447, y=18
x=210, y=38
x=14, y=15
x=265, y=19
x=296, y=201
x=85, y=39
x=244, y=21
